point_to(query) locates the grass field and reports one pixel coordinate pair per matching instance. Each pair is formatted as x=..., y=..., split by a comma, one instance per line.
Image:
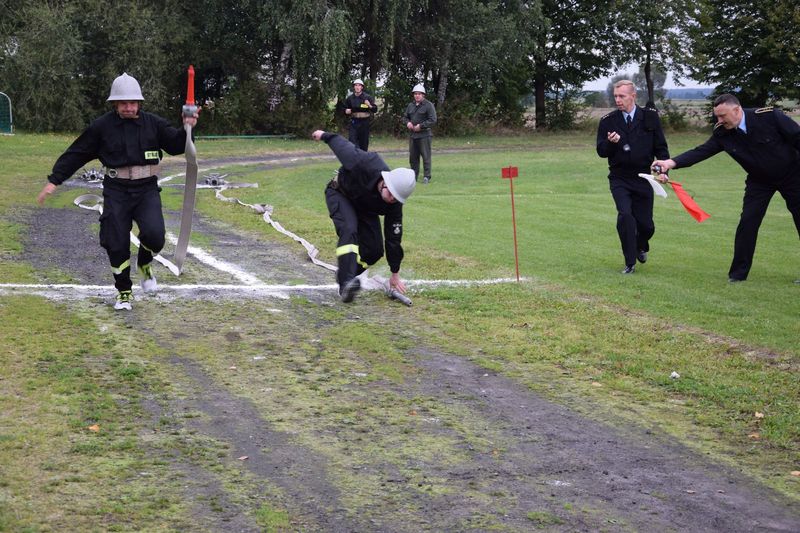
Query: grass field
x=576, y=330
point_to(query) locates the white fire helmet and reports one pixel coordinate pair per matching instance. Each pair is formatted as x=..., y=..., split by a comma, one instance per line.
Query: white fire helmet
x=125, y=88
x=418, y=88
x=400, y=182
x=358, y=81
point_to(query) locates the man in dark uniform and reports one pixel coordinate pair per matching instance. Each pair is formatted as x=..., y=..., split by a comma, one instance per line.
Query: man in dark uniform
x=631, y=137
x=766, y=143
x=420, y=116
x=129, y=143
x=364, y=189
x=360, y=106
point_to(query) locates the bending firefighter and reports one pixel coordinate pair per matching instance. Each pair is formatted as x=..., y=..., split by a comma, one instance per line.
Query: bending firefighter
x=364, y=189
x=129, y=143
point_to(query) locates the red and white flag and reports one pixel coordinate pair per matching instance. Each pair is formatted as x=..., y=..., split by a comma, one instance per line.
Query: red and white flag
x=687, y=201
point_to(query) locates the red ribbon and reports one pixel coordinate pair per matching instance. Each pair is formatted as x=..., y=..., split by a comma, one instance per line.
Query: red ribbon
x=688, y=202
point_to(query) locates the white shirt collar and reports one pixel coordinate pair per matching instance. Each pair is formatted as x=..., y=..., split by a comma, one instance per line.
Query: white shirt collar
x=742, y=124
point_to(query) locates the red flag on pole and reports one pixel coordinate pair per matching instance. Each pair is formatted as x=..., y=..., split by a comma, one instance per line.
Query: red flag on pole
x=510, y=173
x=688, y=202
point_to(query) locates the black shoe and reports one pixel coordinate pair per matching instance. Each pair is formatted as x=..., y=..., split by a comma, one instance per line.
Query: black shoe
x=426, y=180
x=735, y=280
x=642, y=256
x=348, y=292
x=630, y=269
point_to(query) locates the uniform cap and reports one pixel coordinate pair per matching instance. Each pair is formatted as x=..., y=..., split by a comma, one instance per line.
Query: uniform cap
x=400, y=182
x=358, y=81
x=125, y=88
x=418, y=88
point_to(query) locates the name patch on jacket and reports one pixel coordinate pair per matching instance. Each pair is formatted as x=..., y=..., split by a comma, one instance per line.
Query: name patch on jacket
x=151, y=154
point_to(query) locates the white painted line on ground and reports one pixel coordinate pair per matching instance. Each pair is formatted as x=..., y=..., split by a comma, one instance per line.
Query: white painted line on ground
x=278, y=290
x=208, y=259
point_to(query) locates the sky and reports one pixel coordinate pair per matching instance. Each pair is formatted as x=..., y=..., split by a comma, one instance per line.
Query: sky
x=602, y=83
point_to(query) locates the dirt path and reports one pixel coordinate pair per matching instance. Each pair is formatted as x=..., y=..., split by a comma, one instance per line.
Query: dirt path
x=508, y=461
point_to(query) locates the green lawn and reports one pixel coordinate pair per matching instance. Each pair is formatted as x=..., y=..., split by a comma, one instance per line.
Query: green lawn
x=460, y=227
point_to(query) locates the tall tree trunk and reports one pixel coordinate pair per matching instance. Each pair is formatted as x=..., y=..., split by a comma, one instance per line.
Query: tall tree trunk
x=648, y=77
x=538, y=92
x=441, y=90
x=279, y=76
x=372, y=59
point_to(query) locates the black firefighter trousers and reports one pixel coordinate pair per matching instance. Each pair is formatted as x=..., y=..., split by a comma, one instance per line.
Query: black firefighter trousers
x=123, y=205
x=360, y=239
x=757, y=196
x=634, y=200
x=359, y=132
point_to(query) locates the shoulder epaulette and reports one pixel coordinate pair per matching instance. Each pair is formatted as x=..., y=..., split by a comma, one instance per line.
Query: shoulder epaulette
x=764, y=109
x=606, y=115
x=653, y=109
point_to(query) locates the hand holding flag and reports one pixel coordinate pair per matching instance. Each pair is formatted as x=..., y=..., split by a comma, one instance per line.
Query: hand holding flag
x=686, y=200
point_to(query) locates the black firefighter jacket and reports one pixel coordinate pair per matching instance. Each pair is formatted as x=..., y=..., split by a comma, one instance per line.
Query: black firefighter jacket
x=358, y=180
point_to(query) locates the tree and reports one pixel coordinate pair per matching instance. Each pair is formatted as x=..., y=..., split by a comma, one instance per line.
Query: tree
x=654, y=35
x=471, y=55
x=130, y=40
x=37, y=71
x=750, y=48
x=572, y=47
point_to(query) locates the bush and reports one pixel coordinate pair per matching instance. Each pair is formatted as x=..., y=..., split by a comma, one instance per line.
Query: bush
x=562, y=109
x=672, y=117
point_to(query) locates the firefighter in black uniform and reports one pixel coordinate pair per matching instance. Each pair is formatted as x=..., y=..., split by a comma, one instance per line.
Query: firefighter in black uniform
x=360, y=106
x=766, y=143
x=364, y=189
x=631, y=138
x=129, y=143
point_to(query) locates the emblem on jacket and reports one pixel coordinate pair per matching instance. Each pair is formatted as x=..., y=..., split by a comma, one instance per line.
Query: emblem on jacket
x=397, y=228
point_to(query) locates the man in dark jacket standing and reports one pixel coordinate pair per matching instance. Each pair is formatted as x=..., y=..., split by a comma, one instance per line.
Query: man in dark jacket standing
x=364, y=189
x=631, y=137
x=359, y=106
x=766, y=144
x=419, y=117
x=129, y=143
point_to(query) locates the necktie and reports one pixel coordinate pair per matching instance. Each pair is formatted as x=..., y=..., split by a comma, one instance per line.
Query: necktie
x=628, y=121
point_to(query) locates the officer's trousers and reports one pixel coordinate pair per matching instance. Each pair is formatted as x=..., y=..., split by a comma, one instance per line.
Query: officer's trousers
x=360, y=238
x=634, y=200
x=757, y=196
x=420, y=148
x=359, y=132
x=123, y=205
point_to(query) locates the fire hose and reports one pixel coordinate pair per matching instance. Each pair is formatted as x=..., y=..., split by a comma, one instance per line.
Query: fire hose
x=190, y=190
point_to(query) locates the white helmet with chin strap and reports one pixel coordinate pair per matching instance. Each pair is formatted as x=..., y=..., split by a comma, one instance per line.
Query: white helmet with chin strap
x=359, y=81
x=400, y=182
x=125, y=88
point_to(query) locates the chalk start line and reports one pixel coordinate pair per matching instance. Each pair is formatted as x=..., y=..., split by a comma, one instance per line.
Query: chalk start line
x=214, y=291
